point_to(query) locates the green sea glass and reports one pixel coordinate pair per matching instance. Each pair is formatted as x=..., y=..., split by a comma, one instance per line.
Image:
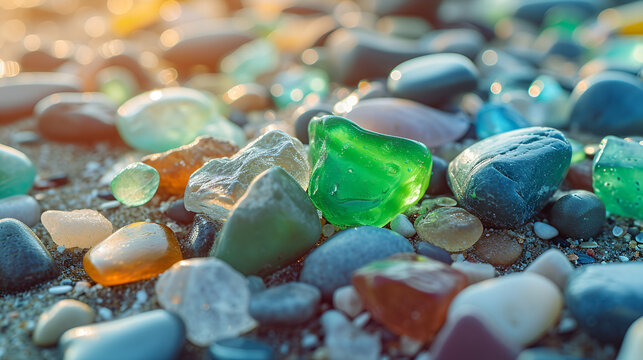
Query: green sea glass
x=360, y=177
x=618, y=176
x=136, y=184
x=17, y=172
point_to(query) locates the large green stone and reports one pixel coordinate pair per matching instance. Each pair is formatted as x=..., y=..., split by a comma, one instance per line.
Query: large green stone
x=618, y=174
x=165, y=119
x=360, y=177
x=17, y=172
x=271, y=226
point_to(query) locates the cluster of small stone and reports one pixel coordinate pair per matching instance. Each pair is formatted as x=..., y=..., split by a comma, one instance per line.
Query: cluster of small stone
x=451, y=151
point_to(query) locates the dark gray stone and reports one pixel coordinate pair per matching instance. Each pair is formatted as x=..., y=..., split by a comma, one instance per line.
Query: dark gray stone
x=330, y=265
x=606, y=299
x=177, y=212
x=608, y=103
x=433, y=252
x=301, y=123
x=76, y=117
x=288, y=304
x=24, y=260
x=506, y=179
x=438, y=183
x=240, y=349
x=202, y=236
x=156, y=334
x=433, y=79
x=578, y=214
x=467, y=42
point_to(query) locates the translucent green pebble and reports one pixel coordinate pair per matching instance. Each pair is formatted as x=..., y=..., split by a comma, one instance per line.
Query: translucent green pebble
x=360, y=177
x=165, y=119
x=618, y=176
x=17, y=172
x=136, y=184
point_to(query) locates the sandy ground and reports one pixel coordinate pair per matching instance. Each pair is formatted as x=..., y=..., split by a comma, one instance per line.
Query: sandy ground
x=86, y=165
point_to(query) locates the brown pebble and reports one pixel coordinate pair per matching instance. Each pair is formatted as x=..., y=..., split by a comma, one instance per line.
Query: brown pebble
x=498, y=248
x=579, y=175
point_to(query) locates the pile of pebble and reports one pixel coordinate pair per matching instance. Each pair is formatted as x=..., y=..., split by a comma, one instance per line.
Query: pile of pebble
x=385, y=153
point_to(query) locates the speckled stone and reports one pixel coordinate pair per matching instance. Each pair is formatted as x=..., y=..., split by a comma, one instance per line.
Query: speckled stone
x=508, y=178
x=156, y=334
x=330, y=265
x=24, y=260
x=201, y=237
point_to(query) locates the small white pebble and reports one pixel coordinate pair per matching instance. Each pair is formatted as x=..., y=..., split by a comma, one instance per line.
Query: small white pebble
x=545, y=231
x=567, y=324
x=60, y=249
x=409, y=346
x=617, y=231
x=105, y=313
x=82, y=286
x=30, y=325
x=623, y=258
x=328, y=230
x=59, y=290
x=401, y=225
x=361, y=320
x=109, y=205
x=141, y=296
x=459, y=258
x=309, y=341
x=346, y=300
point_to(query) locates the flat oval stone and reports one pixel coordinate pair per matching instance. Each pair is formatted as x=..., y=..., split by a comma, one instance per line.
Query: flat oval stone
x=201, y=237
x=608, y=103
x=578, y=214
x=606, y=299
x=210, y=297
x=360, y=177
x=136, y=184
x=433, y=79
x=64, y=315
x=77, y=117
x=433, y=252
x=330, y=266
x=409, y=295
x=240, y=348
x=20, y=94
x=468, y=336
x=506, y=179
x=466, y=42
x=16, y=171
x=521, y=306
x=356, y=54
x=217, y=186
x=135, y=252
x=156, y=334
x=164, y=119
x=271, y=226
x=451, y=228
x=20, y=207
x=410, y=120
x=617, y=174
x=288, y=304
x=498, y=248
x=221, y=37
x=553, y=265
x=24, y=260
x=78, y=228
x=176, y=165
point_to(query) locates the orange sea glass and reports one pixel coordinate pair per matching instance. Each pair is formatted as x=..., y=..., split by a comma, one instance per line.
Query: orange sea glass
x=175, y=166
x=135, y=252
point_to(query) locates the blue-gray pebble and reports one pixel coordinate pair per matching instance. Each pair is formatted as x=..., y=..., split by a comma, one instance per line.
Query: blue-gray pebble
x=24, y=260
x=288, y=304
x=240, y=349
x=606, y=299
x=608, y=103
x=330, y=265
x=156, y=334
x=433, y=252
x=433, y=79
x=506, y=179
x=578, y=214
